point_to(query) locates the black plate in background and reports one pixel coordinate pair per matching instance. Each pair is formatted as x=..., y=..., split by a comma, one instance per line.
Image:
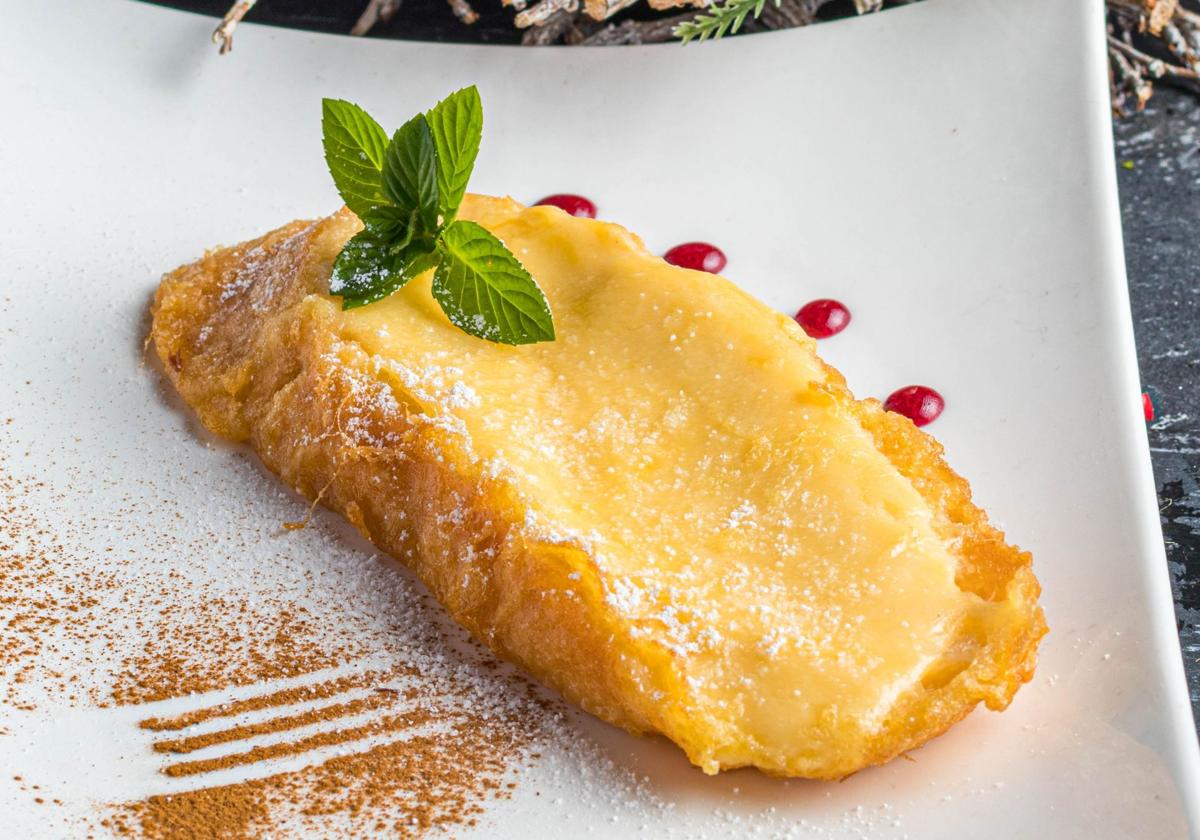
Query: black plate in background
x=419, y=20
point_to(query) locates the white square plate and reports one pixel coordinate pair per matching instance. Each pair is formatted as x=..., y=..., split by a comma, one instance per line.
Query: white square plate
x=944, y=168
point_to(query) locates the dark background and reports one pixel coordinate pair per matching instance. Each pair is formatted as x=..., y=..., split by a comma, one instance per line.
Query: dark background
x=423, y=20
x=417, y=20
x=1158, y=173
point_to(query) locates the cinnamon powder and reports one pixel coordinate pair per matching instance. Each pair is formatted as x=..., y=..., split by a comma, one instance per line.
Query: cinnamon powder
x=315, y=691
x=238, y=733
x=181, y=658
x=401, y=789
x=447, y=732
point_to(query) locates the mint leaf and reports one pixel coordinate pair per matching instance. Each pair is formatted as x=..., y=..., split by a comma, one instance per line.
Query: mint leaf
x=457, y=127
x=366, y=270
x=420, y=262
x=403, y=231
x=394, y=225
x=410, y=172
x=354, y=151
x=369, y=268
x=486, y=292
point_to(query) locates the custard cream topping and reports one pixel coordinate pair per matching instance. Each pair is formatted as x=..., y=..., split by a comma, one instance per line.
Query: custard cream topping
x=736, y=513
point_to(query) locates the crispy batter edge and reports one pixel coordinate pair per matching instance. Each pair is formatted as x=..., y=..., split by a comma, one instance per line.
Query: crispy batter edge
x=273, y=372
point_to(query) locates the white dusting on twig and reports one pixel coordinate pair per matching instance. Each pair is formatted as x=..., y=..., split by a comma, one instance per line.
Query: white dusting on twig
x=537, y=15
x=463, y=11
x=223, y=34
x=377, y=11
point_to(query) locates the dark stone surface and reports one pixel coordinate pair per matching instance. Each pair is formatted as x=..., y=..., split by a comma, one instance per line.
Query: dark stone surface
x=1158, y=173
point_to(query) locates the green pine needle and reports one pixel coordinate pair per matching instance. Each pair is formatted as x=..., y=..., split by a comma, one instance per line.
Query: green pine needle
x=721, y=20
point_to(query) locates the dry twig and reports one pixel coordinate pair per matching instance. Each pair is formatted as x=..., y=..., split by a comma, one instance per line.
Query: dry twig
x=538, y=15
x=637, y=32
x=790, y=13
x=1151, y=40
x=223, y=34
x=604, y=9
x=559, y=28
x=463, y=11
x=377, y=11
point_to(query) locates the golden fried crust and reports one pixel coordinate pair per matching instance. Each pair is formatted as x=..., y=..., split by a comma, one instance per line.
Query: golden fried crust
x=251, y=340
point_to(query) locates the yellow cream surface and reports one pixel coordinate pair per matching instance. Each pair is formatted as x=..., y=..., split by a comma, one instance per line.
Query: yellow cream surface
x=737, y=514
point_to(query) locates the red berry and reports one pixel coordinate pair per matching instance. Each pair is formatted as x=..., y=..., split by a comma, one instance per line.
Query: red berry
x=916, y=402
x=576, y=205
x=823, y=318
x=1147, y=406
x=698, y=256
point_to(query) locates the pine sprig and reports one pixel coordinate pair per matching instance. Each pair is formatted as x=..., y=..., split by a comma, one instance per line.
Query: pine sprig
x=725, y=19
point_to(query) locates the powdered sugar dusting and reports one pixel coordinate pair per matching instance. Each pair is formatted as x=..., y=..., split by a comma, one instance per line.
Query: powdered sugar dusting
x=707, y=497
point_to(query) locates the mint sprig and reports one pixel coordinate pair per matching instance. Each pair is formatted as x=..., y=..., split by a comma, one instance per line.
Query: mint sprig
x=407, y=191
